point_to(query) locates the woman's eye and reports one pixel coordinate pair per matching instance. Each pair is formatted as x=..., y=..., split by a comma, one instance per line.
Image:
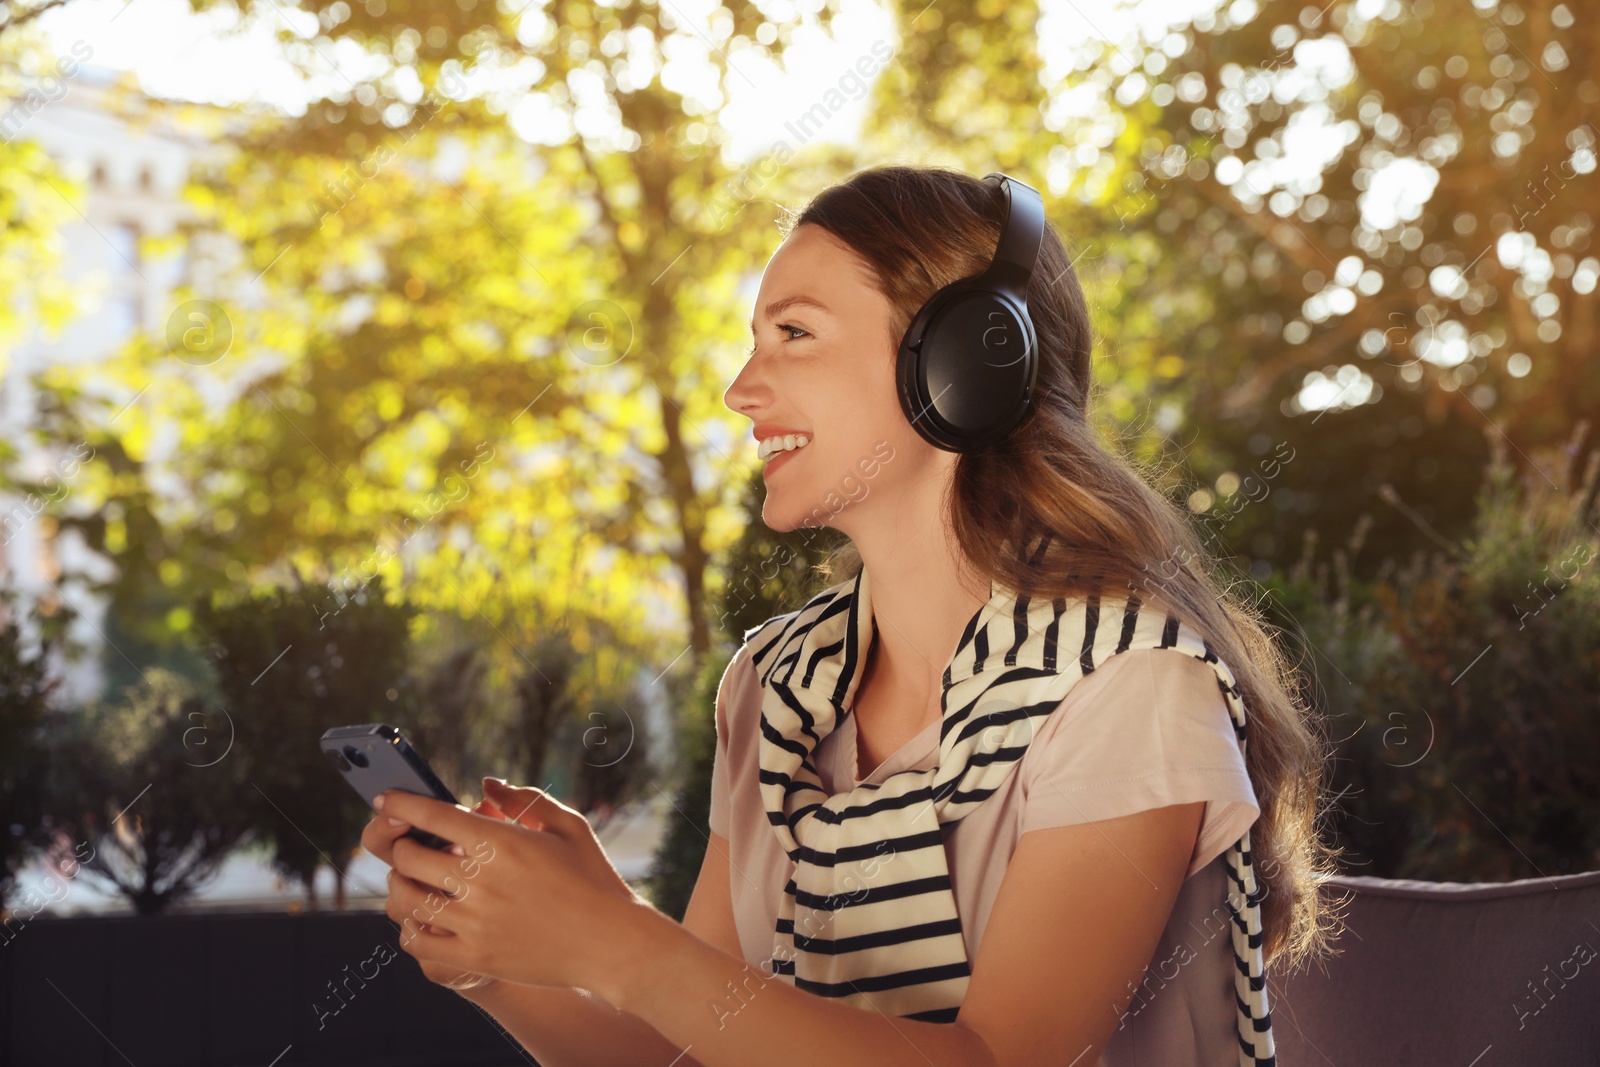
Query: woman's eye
x=796, y=329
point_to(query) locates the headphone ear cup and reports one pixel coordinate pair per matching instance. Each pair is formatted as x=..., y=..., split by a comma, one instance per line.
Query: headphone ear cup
x=1007, y=339
x=967, y=367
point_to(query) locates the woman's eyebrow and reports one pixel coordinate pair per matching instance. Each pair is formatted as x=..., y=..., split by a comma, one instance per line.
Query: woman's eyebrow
x=777, y=307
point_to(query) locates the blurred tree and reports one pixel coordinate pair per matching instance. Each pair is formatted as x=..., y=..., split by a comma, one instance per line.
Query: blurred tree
x=68, y=470
x=140, y=783
x=450, y=686
x=25, y=692
x=1355, y=234
x=110, y=504
x=289, y=670
x=14, y=15
x=452, y=319
x=765, y=573
x=543, y=701
x=682, y=848
x=39, y=460
x=33, y=198
x=1382, y=216
x=612, y=756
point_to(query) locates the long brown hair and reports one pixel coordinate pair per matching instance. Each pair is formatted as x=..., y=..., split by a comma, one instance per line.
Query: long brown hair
x=920, y=228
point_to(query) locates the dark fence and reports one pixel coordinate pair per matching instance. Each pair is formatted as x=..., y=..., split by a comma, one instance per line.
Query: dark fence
x=232, y=990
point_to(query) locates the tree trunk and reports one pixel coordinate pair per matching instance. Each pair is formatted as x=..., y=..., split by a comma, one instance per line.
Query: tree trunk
x=148, y=902
x=692, y=558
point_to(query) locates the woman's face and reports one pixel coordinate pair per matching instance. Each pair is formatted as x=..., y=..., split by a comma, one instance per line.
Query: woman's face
x=826, y=373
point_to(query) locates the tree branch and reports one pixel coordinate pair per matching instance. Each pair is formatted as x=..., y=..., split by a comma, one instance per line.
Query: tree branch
x=14, y=20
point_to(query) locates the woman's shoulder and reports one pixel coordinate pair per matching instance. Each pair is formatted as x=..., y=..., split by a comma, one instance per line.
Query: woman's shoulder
x=1145, y=686
x=738, y=693
x=763, y=639
x=1147, y=728
x=1143, y=722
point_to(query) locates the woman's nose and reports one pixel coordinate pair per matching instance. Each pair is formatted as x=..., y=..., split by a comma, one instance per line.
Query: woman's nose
x=747, y=388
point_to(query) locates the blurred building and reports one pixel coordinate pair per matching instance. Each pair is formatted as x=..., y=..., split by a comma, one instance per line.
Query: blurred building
x=132, y=155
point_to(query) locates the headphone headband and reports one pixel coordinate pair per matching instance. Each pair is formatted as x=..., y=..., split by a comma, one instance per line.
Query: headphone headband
x=1020, y=234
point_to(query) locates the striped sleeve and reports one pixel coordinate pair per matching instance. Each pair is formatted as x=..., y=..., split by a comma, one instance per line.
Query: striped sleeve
x=1147, y=729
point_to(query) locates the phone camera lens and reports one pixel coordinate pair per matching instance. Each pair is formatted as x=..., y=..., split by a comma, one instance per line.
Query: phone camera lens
x=343, y=764
x=355, y=755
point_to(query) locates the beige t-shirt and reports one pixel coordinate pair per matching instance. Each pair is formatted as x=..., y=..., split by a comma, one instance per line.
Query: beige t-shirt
x=1147, y=729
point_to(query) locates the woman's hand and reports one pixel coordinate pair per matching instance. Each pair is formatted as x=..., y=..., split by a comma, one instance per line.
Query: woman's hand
x=538, y=810
x=534, y=900
x=378, y=838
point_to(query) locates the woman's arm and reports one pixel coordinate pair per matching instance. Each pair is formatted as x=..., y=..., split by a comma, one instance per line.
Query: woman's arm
x=564, y=1027
x=1079, y=914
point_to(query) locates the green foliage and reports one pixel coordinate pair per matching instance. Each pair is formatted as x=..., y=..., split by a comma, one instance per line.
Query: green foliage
x=1466, y=310
x=33, y=200
x=438, y=293
x=1224, y=278
x=292, y=664
x=25, y=691
x=135, y=781
x=765, y=572
x=1464, y=687
x=672, y=876
x=448, y=674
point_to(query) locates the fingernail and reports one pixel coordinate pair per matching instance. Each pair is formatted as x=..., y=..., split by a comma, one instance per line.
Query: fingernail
x=458, y=850
x=396, y=822
x=377, y=802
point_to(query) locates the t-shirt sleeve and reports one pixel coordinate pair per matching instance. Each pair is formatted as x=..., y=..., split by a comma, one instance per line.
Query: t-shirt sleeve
x=720, y=816
x=1149, y=728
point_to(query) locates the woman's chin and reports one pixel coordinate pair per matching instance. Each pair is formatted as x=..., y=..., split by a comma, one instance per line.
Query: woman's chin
x=782, y=522
x=782, y=517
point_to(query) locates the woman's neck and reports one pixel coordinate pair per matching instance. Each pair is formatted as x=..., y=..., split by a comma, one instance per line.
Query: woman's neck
x=920, y=608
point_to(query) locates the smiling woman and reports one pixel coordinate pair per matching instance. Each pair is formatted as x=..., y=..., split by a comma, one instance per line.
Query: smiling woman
x=970, y=793
x=997, y=548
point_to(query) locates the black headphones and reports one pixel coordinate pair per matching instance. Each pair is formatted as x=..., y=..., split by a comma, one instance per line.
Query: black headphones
x=968, y=362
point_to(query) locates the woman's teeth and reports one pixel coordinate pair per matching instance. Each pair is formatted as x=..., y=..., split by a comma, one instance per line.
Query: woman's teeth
x=788, y=443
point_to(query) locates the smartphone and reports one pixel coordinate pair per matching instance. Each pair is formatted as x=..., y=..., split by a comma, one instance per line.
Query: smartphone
x=374, y=757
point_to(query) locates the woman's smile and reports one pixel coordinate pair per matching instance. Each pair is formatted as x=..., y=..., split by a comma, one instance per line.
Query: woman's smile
x=779, y=459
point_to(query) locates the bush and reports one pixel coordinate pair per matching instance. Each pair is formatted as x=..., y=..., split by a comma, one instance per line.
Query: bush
x=683, y=846
x=134, y=781
x=1465, y=688
x=25, y=691
x=765, y=573
x=290, y=667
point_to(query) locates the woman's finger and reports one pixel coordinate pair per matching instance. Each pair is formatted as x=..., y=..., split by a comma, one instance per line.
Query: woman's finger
x=419, y=909
x=539, y=810
x=379, y=835
x=489, y=808
x=533, y=808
